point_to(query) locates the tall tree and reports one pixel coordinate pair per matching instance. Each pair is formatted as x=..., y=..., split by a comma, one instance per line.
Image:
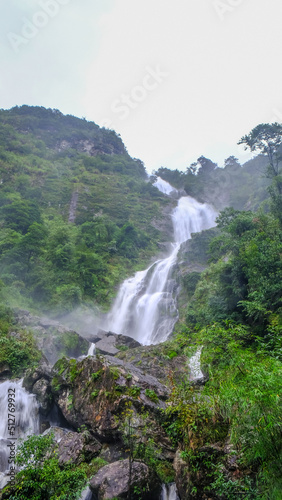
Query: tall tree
x=266, y=139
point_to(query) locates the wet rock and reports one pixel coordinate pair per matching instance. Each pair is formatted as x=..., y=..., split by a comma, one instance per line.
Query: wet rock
x=53, y=339
x=5, y=371
x=42, y=389
x=182, y=476
x=76, y=448
x=48, y=323
x=107, y=345
x=44, y=426
x=96, y=392
x=162, y=362
x=43, y=370
x=111, y=343
x=112, y=452
x=58, y=432
x=113, y=481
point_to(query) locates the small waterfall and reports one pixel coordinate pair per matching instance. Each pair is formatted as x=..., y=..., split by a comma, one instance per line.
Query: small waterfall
x=164, y=186
x=195, y=366
x=169, y=492
x=22, y=409
x=145, y=307
x=91, y=350
x=86, y=494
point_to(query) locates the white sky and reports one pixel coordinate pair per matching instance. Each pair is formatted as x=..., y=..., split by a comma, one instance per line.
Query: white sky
x=218, y=65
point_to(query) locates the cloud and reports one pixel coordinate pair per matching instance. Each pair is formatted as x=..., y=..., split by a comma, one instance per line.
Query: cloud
x=221, y=75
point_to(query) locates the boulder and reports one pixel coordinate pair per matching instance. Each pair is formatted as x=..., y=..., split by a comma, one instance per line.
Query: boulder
x=76, y=448
x=42, y=390
x=97, y=392
x=43, y=370
x=112, y=481
x=161, y=362
x=111, y=343
x=58, y=432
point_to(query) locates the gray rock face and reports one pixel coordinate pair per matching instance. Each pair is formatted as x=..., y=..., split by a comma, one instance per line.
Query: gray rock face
x=4, y=370
x=58, y=432
x=111, y=343
x=43, y=392
x=75, y=448
x=113, y=481
x=53, y=339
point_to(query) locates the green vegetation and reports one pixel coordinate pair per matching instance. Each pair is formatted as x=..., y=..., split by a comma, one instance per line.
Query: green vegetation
x=75, y=210
x=234, y=311
x=150, y=393
x=233, y=185
x=17, y=346
x=42, y=477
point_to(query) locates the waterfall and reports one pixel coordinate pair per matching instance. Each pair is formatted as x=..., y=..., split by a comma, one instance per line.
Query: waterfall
x=145, y=307
x=86, y=494
x=22, y=410
x=169, y=492
x=164, y=186
x=91, y=350
x=195, y=366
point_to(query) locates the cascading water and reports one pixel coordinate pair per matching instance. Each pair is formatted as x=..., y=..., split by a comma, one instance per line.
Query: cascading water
x=145, y=307
x=91, y=350
x=195, y=366
x=164, y=186
x=169, y=492
x=14, y=397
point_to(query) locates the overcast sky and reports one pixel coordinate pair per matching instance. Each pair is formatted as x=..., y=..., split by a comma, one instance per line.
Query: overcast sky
x=175, y=78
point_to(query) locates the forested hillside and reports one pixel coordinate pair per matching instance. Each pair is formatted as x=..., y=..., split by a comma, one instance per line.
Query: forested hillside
x=77, y=213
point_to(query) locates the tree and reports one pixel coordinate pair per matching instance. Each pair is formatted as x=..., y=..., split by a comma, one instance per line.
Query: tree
x=266, y=139
x=232, y=163
x=20, y=214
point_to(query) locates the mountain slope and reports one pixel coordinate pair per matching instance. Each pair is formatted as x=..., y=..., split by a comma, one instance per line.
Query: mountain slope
x=76, y=211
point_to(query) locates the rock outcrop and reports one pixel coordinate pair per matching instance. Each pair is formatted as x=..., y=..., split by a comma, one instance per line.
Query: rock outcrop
x=53, y=339
x=111, y=343
x=76, y=448
x=113, y=480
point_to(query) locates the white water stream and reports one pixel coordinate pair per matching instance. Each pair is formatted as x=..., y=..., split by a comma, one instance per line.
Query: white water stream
x=145, y=307
x=91, y=350
x=169, y=492
x=22, y=409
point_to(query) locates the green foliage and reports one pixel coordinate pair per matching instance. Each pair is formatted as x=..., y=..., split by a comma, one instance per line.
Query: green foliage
x=42, y=478
x=231, y=185
x=266, y=138
x=96, y=375
x=94, y=394
x=20, y=215
x=242, y=283
x=134, y=391
x=18, y=351
x=45, y=260
x=150, y=393
x=246, y=388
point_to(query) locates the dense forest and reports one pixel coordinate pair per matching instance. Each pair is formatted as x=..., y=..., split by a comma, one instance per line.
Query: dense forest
x=78, y=215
